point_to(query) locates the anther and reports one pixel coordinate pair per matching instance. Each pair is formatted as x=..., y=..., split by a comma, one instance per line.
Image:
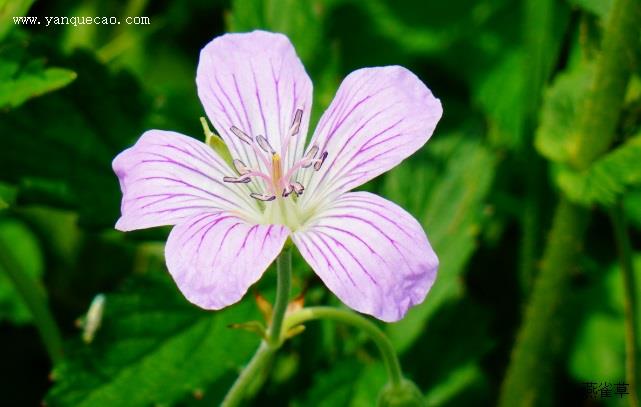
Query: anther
x=264, y=144
x=241, y=134
x=309, y=157
x=240, y=167
x=262, y=197
x=296, y=123
x=298, y=188
x=319, y=162
x=237, y=180
x=288, y=190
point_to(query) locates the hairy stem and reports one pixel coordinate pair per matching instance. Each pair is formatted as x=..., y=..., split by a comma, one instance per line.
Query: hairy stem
x=602, y=107
x=529, y=374
x=383, y=344
x=629, y=300
x=537, y=344
x=34, y=297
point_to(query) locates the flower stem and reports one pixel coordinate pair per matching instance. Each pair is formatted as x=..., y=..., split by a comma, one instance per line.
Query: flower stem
x=539, y=340
x=34, y=297
x=283, y=286
x=267, y=349
x=382, y=342
x=629, y=300
x=258, y=362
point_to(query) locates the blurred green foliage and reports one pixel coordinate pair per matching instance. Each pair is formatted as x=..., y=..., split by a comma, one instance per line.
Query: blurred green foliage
x=512, y=76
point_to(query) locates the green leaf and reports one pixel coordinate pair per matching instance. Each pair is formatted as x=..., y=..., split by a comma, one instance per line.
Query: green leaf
x=23, y=77
x=26, y=249
x=299, y=20
x=562, y=104
x=597, y=7
x=598, y=353
x=7, y=195
x=632, y=206
x=62, y=145
x=501, y=94
x=349, y=383
x=152, y=348
x=449, y=204
x=455, y=383
x=10, y=9
x=607, y=178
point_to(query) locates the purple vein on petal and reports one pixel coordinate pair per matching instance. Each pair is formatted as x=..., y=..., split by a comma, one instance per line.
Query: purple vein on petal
x=242, y=246
x=338, y=261
x=346, y=250
x=185, y=184
x=267, y=234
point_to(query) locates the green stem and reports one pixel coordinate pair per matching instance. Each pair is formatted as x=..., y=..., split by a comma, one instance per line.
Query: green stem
x=256, y=365
x=382, y=342
x=34, y=297
x=529, y=375
x=267, y=349
x=629, y=300
x=602, y=107
x=283, y=286
x=537, y=344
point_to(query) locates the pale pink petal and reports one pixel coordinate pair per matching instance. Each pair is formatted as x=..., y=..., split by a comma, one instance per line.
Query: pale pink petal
x=255, y=82
x=371, y=253
x=378, y=118
x=215, y=257
x=167, y=177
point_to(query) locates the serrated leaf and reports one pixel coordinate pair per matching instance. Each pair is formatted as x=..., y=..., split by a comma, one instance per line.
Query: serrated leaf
x=562, y=103
x=23, y=77
x=449, y=205
x=607, y=178
x=152, y=348
x=27, y=252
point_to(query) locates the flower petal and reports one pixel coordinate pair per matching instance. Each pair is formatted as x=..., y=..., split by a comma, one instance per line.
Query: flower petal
x=371, y=253
x=378, y=117
x=166, y=177
x=215, y=257
x=255, y=82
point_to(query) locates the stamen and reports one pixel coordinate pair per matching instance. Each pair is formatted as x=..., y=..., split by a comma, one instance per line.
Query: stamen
x=241, y=134
x=240, y=167
x=237, y=180
x=288, y=190
x=296, y=123
x=309, y=157
x=264, y=144
x=262, y=197
x=319, y=162
x=298, y=188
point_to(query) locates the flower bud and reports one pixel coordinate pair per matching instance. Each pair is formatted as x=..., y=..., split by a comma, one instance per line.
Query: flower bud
x=404, y=395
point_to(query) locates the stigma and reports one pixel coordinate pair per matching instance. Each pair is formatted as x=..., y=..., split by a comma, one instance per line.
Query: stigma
x=278, y=182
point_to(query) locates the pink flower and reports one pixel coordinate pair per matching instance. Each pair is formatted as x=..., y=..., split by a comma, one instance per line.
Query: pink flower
x=231, y=223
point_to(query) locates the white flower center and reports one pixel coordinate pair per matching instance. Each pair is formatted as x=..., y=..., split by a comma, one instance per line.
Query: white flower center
x=279, y=182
